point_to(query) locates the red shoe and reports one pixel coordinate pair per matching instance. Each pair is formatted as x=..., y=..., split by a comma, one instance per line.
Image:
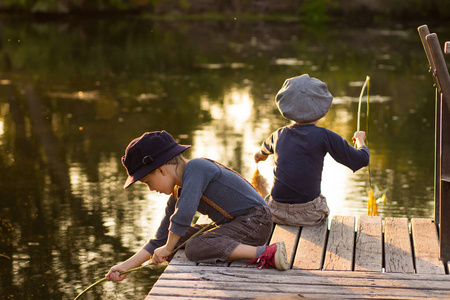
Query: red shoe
x=274, y=256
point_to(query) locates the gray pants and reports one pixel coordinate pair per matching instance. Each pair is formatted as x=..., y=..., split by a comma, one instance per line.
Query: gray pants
x=215, y=245
x=301, y=214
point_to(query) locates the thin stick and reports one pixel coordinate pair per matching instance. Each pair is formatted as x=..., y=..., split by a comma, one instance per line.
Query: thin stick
x=367, y=128
x=104, y=278
x=193, y=236
x=151, y=263
x=359, y=104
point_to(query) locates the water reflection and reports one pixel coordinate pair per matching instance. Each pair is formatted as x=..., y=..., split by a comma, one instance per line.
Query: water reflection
x=74, y=93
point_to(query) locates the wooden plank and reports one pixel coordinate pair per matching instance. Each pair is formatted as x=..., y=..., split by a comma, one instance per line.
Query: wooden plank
x=242, y=264
x=339, y=254
x=369, y=244
x=242, y=290
x=220, y=264
x=252, y=274
x=397, y=246
x=344, y=287
x=230, y=274
x=238, y=283
x=288, y=234
x=398, y=251
x=180, y=259
x=426, y=246
x=311, y=247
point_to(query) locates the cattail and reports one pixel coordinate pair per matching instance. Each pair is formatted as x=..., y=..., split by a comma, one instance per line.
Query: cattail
x=260, y=183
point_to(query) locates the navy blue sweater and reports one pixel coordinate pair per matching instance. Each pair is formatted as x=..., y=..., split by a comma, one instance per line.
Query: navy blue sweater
x=299, y=152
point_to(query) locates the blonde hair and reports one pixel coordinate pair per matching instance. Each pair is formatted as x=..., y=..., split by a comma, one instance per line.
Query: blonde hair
x=179, y=161
x=176, y=160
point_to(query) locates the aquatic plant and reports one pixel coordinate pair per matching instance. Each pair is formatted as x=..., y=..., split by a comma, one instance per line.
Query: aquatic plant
x=372, y=206
x=260, y=183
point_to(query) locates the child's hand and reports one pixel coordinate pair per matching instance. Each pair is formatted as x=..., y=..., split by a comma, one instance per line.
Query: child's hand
x=260, y=157
x=114, y=273
x=359, y=137
x=161, y=254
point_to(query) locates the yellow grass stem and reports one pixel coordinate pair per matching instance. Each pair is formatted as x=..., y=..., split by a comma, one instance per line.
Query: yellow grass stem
x=104, y=278
x=366, y=83
x=372, y=206
x=193, y=236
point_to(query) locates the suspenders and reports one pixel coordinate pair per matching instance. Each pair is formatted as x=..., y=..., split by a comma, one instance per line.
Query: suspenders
x=177, y=191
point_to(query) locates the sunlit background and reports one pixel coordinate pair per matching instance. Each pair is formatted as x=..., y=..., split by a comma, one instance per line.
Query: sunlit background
x=74, y=93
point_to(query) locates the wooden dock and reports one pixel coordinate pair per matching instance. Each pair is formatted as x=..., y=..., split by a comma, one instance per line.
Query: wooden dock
x=347, y=257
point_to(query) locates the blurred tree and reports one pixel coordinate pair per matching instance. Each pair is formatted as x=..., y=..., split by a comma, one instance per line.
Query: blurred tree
x=312, y=10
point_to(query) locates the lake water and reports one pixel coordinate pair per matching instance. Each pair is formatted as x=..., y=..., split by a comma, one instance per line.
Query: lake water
x=73, y=93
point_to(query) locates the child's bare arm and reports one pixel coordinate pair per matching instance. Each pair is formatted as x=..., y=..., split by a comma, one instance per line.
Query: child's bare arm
x=358, y=138
x=136, y=260
x=162, y=253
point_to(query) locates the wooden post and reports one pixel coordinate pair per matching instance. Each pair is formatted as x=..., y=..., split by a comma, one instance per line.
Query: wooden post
x=441, y=78
x=423, y=32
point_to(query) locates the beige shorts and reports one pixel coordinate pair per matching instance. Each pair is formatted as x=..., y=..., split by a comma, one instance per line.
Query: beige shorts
x=302, y=214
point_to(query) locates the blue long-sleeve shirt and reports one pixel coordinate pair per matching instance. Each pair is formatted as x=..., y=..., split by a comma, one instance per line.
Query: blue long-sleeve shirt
x=299, y=152
x=220, y=185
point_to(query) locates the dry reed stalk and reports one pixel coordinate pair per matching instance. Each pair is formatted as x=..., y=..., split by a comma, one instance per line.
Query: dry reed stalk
x=260, y=183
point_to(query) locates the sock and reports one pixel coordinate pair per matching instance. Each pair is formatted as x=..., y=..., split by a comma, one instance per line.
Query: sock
x=260, y=250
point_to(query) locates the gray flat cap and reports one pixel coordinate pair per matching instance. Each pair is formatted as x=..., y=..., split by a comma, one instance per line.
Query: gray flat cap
x=303, y=99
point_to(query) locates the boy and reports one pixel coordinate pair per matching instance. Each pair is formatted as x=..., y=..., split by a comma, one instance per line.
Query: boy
x=299, y=150
x=244, y=220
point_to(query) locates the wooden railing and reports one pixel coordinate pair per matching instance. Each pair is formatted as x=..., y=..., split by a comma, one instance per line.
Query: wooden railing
x=440, y=74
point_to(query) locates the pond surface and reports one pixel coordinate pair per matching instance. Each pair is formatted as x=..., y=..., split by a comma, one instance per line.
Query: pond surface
x=73, y=93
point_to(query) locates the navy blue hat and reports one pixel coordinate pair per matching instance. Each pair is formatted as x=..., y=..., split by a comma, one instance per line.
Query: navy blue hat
x=303, y=99
x=149, y=152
